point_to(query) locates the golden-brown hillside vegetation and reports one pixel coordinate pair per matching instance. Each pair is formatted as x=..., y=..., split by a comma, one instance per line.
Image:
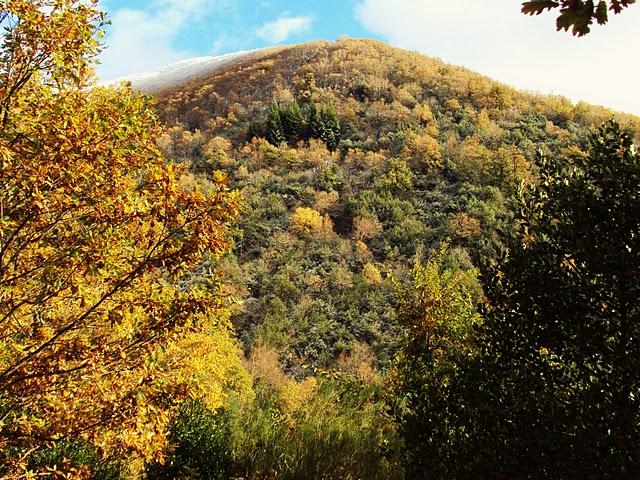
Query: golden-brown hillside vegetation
x=422, y=153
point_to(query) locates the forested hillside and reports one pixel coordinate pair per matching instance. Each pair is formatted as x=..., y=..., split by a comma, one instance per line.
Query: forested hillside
x=354, y=159
x=327, y=261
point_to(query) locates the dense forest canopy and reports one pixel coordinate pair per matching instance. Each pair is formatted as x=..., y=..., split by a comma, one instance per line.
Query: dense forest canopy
x=384, y=215
x=353, y=158
x=332, y=260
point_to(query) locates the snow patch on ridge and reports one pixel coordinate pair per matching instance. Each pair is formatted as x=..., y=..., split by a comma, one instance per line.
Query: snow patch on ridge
x=180, y=72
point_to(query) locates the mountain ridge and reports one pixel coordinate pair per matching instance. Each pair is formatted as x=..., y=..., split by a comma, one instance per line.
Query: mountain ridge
x=190, y=69
x=173, y=76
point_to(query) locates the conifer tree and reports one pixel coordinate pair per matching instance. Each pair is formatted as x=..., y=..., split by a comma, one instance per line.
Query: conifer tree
x=316, y=126
x=275, y=131
x=292, y=122
x=330, y=127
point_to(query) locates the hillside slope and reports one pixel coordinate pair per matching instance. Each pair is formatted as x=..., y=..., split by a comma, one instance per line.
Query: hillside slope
x=356, y=159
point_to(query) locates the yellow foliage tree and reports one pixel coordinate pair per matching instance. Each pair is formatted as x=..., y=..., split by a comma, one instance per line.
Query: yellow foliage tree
x=424, y=114
x=217, y=151
x=325, y=201
x=359, y=361
x=296, y=396
x=462, y=226
x=475, y=161
x=422, y=150
x=512, y=166
x=309, y=221
x=371, y=274
x=362, y=252
x=97, y=246
x=207, y=363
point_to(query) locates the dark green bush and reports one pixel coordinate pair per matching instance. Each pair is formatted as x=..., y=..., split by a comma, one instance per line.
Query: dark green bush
x=200, y=439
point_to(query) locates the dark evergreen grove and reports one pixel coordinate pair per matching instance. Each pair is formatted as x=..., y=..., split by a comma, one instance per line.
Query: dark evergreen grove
x=292, y=124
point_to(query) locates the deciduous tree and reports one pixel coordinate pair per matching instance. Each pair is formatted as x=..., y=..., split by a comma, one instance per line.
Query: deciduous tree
x=563, y=323
x=437, y=311
x=97, y=246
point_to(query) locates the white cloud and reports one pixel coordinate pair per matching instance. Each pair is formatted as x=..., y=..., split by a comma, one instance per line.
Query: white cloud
x=142, y=40
x=279, y=30
x=494, y=38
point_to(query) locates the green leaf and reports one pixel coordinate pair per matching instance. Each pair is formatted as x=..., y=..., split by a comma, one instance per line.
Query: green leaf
x=578, y=17
x=602, y=15
x=536, y=7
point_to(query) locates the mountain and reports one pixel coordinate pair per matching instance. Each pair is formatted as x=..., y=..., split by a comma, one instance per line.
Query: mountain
x=355, y=160
x=432, y=275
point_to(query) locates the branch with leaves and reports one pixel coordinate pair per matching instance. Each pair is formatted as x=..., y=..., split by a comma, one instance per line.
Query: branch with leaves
x=577, y=15
x=98, y=242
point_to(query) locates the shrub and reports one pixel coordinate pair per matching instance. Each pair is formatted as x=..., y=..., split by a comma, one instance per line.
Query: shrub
x=201, y=445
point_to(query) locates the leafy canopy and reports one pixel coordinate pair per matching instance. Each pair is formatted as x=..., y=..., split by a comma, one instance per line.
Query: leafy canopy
x=97, y=246
x=562, y=327
x=437, y=310
x=577, y=15
x=554, y=389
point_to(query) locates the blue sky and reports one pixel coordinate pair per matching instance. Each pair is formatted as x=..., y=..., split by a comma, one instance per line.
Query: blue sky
x=489, y=36
x=214, y=27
